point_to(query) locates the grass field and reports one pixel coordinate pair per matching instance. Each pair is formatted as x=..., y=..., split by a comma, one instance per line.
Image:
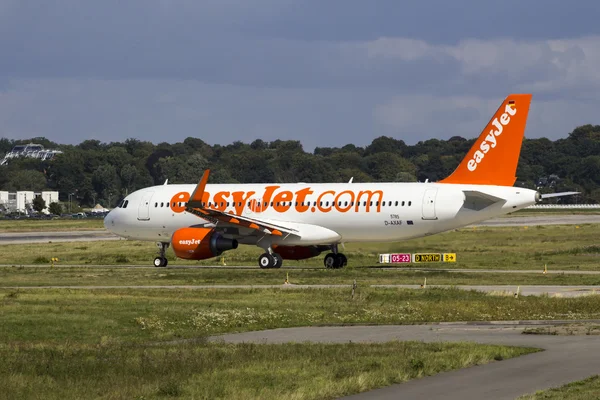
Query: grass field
x=50, y=316
x=118, y=344
x=587, y=389
x=107, y=276
x=560, y=247
x=219, y=371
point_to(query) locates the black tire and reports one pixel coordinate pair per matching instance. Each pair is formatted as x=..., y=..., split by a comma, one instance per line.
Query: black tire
x=278, y=260
x=266, y=261
x=343, y=260
x=330, y=261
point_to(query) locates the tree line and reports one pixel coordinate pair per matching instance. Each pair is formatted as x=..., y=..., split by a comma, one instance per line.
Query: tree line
x=95, y=172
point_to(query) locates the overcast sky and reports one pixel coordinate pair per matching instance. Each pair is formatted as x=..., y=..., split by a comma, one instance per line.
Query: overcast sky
x=326, y=72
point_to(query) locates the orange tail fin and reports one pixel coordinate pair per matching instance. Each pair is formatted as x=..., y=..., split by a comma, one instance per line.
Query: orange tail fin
x=494, y=157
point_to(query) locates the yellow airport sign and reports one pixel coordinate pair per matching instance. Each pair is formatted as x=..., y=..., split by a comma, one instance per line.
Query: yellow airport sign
x=427, y=257
x=449, y=257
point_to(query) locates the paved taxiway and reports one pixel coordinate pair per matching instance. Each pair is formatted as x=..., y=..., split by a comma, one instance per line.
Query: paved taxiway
x=529, y=290
x=575, y=219
x=564, y=359
x=294, y=268
x=62, y=236
x=95, y=235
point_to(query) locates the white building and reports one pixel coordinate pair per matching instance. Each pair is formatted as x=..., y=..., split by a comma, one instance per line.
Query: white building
x=49, y=197
x=24, y=200
x=4, y=203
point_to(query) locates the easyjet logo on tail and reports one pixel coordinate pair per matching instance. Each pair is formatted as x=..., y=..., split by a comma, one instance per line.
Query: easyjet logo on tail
x=281, y=200
x=491, y=140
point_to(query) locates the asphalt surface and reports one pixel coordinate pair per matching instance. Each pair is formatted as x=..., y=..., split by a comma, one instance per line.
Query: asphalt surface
x=62, y=236
x=96, y=235
x=529, y=290
x=234, y=267
x=564, y=359
x=575, y=219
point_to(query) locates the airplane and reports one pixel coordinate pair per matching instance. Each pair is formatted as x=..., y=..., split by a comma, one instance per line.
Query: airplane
x=302, y=220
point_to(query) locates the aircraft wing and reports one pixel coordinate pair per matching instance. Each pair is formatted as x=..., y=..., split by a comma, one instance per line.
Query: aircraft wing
x=195, y=206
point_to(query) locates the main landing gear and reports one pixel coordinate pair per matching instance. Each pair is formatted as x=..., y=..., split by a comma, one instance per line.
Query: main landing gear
x=161, y=260
x=335, y=260
x=270, y=260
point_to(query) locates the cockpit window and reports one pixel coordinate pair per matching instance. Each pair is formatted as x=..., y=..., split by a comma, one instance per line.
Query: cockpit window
x=125, y=204
x=120, y=204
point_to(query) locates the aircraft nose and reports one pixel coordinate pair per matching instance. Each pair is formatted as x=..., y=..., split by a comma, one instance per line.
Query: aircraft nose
x=109, y=220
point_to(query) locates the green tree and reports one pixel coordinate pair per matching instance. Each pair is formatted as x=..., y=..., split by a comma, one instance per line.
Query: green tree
x=26, y=180
x=55, y=208
x=39, y=204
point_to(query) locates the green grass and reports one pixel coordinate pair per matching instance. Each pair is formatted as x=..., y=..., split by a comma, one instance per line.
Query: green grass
x=119, y=344
x=220, y=371
x=107, y=276
x=139, y=316
x=560, y=247
x=587, y=389
x=32, y=225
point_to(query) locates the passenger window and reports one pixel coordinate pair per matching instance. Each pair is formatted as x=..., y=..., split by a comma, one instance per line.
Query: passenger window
x=345, y=203
x=403, y=204
x=409, y=203
x=364, y=203
x=396, y=204
x=271, y=204
x=162, y=203
x=370, y=203
x=326, y=203
x=155, y=205
x=203, y=204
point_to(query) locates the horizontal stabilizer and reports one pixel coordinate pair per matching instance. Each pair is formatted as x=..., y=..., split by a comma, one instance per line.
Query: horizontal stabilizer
x=476, y=201
x=549, y=195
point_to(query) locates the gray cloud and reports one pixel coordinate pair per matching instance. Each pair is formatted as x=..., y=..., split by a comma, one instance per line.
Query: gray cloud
x=327, y=73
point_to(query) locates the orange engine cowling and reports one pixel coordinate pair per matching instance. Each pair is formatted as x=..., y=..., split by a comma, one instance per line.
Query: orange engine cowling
x=200, y=243
x=297, y=252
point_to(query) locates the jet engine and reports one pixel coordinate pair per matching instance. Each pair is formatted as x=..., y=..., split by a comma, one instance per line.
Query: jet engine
x=298, y=252
x=200, y=243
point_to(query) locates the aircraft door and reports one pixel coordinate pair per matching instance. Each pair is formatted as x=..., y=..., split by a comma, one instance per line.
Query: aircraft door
x=429, y=204
x=144, y=207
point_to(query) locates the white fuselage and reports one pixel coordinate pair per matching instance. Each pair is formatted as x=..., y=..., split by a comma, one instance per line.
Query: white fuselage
x=323, y=213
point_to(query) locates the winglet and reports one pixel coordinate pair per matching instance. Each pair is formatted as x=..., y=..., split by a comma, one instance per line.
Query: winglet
x=494, y=157
x=196, y=198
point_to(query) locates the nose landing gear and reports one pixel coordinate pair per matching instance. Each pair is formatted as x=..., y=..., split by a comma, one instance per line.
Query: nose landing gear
x=161, y=260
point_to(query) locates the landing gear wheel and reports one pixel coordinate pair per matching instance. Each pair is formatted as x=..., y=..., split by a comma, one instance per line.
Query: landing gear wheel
x=330, y=261
x=160, y=262
x=278, y=260
x=266, y=261
x=334, y=261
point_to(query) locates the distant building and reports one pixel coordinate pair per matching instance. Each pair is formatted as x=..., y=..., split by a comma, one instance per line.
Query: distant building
x=22, y=201
x=30, y=150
